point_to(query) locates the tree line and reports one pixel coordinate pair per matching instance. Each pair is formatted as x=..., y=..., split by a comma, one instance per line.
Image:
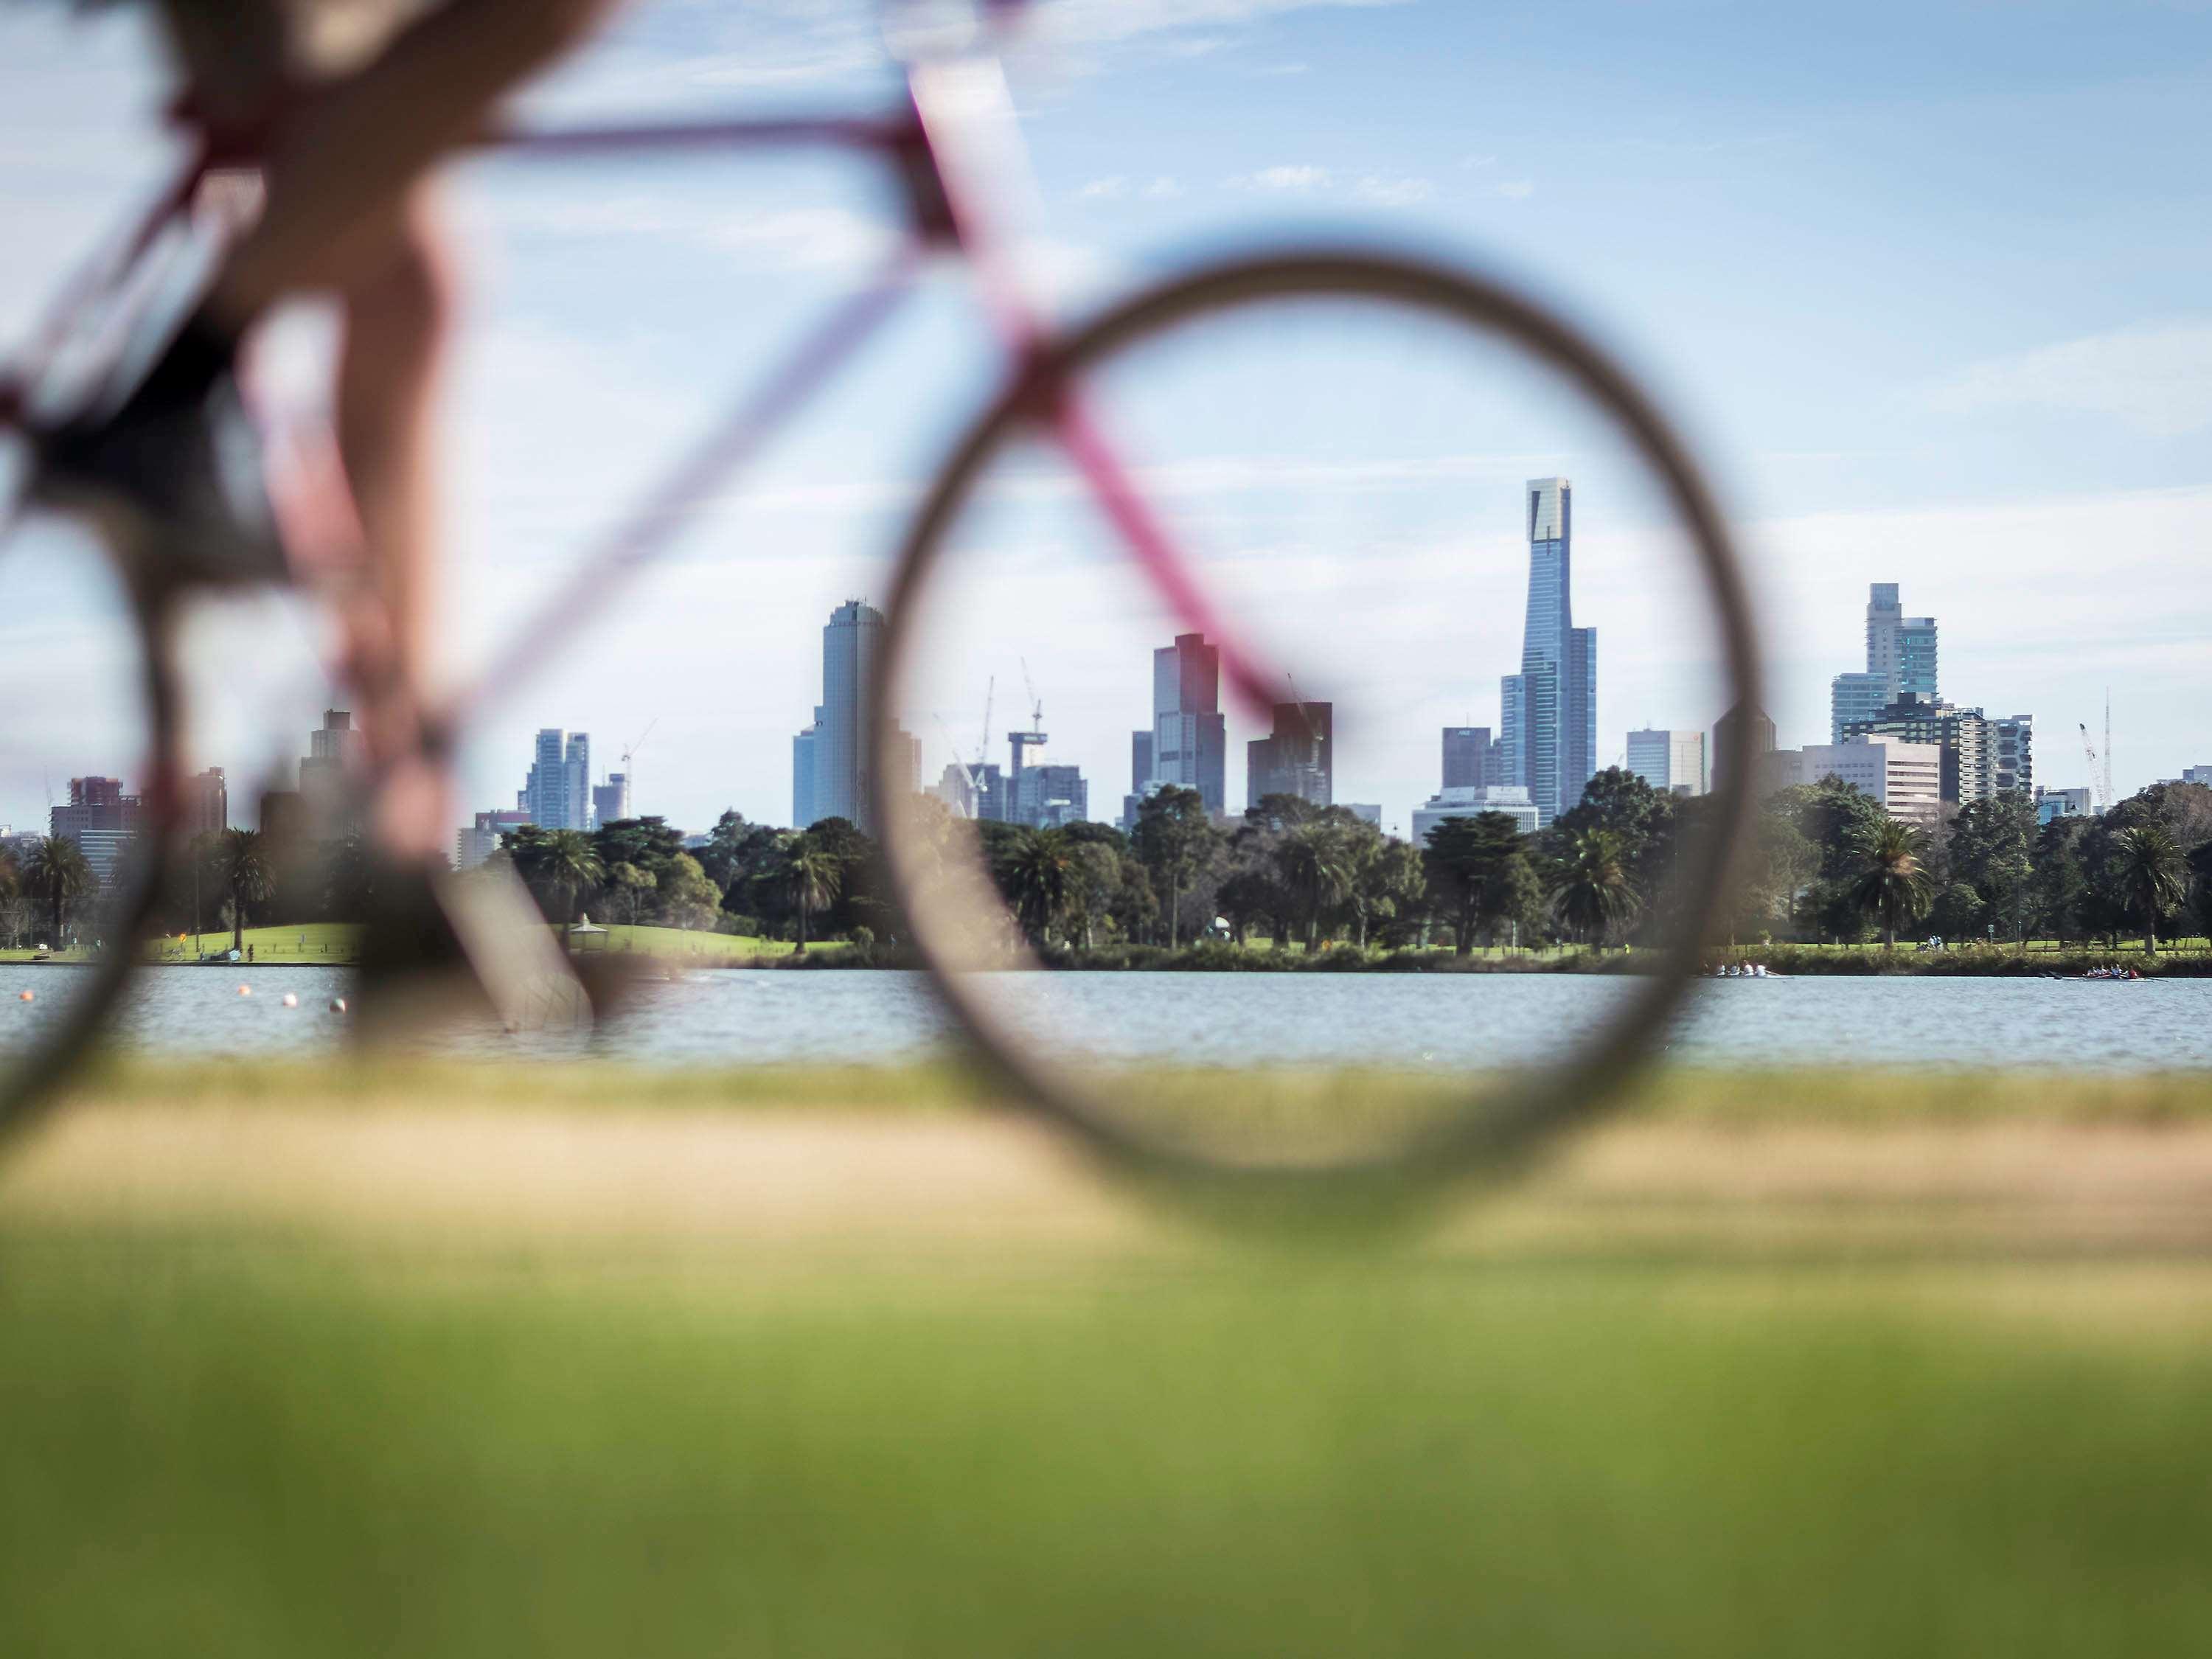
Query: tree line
x=1823, y=863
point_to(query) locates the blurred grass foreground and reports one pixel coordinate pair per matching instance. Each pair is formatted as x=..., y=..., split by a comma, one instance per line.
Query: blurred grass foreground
x=439, y=1360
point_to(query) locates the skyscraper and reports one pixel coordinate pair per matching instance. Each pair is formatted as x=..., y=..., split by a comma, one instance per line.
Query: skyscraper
x=1855, y=697
x=1548, y=711
x=207, y=804
x=1468, y=757
x=610, y=799
x=2012, y=754
x=1900, y=649
x=1190, y=738
x=832, y=760
x=1299, y=759
x=1724, y=738
x=324, y=794
x=557, y=794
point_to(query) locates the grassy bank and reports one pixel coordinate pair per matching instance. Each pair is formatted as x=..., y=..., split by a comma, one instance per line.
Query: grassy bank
x=337, y=943
x=573, y=1359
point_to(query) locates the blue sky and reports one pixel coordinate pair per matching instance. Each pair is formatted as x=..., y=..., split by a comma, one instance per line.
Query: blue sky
x=1931, y=284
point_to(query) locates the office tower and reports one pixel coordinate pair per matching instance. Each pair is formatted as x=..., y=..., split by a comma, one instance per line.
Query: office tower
x=1855, y=696
x=206, y=804
x=477, y=842
x=2189, y=774
x=611, y=800
x=1672, y=762
x=1905, y=778
x=557, y=794
x=1962, y=735
x=1549, y=709
x=831, y=761
x=802, y=774
x=2012, y=754
x=1467, y=753
x=1141, y=761
x=96, y=805
x=1190, y=740
x=1724, y=739
x=1901, y=649
x=1299, y=759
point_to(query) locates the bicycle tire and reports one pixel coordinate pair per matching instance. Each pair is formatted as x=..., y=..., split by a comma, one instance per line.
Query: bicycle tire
x=31, y=1081
x=1500, y=1127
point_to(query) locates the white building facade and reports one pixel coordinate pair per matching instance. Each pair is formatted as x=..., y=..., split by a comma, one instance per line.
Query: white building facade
x=1511, y=800
x=1905, y=778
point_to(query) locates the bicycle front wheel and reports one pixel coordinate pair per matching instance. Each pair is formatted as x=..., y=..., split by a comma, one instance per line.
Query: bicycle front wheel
x=1302, y=564
x=89, y=795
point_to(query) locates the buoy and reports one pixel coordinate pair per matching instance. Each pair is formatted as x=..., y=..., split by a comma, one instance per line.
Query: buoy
x=24, y=996
x=245, y=990
x=291, y=1001
x=337, y=1005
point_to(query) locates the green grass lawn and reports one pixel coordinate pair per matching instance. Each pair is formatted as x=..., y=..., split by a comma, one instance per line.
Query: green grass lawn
x=335, y=942
x=251, y=1439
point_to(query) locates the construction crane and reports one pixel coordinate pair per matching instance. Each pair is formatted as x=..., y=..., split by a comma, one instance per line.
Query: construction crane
x=967, y=772
x=629, y=772
x=2100, y=765
x=1034, y=737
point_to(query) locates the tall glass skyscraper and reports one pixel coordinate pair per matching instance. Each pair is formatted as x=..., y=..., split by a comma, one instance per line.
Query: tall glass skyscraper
x=1190, y=738
x=830, y=760
x=558, y=793
x=1548, y=711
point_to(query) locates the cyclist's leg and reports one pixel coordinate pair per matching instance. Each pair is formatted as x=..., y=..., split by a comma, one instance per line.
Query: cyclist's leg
x=399, y=310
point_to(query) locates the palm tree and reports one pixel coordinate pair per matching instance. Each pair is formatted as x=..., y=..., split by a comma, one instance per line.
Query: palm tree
x=1591, y=892
x=246, y=873
x=1892, y=884
x=1037, y=872
x=2150, y=874
x=570, y=866
x=812, y=875
x=57, y=872
x=1316, y=865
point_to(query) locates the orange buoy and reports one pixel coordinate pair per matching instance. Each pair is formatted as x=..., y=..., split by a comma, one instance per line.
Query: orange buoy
x=245, y=990
x=24, y=996
x=291, y=1001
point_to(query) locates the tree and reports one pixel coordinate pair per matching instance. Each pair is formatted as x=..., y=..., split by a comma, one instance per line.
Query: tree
x=1315, y=862
x=629, y=886
x=1892, y=884
x=1476, y=869
x=570, y=867
x=811, y=876
x=247, y=876
x=57, y=871
x=1592, y=893
x=1175, y=841
x=1036, y=869
x=2148, y=875
x=684, y=896
x=1993, y=850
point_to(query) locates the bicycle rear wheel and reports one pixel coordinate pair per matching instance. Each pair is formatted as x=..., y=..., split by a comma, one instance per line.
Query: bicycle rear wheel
x=90, y=793
x=1367, y=469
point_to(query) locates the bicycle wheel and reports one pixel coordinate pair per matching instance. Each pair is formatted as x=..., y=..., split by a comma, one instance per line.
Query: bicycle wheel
x=1369, y=467
x=89, y=794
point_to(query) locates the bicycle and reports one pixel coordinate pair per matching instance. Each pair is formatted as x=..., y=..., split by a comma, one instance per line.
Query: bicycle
x=941, y=147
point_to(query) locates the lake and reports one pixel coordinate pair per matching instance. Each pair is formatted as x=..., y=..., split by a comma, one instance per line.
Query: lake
x=1443, y=1021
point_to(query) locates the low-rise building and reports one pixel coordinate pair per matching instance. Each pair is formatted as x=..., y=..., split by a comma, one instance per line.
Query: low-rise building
x=1905, y=778
x=1672, y=762
x=477, y=842
x=2062, y=804
x=1512, y=800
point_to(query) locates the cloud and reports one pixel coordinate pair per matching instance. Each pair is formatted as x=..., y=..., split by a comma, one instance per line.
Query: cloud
x=1164, y=189
x=1295, y=178
x=1517, y=190
x=2155, y=377
x=1112, y=188
x=1384, y=191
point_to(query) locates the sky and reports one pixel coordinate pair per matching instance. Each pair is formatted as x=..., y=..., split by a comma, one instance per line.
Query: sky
x=1928, y=286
